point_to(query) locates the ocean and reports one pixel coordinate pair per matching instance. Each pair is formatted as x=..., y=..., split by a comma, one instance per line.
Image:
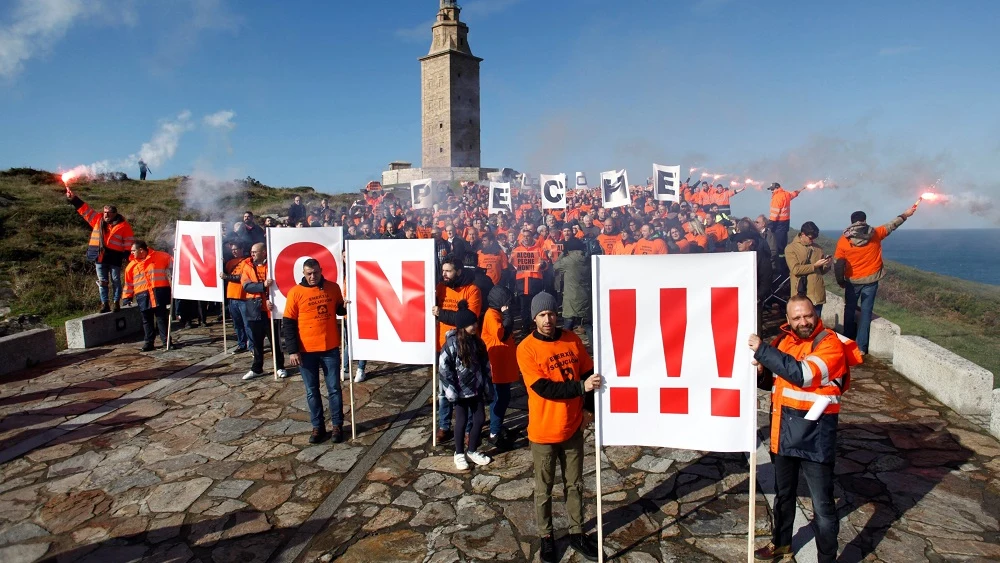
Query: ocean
x=969, y=254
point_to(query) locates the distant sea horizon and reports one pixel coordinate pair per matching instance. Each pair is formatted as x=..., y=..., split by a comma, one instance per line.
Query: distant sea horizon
x=969, y=254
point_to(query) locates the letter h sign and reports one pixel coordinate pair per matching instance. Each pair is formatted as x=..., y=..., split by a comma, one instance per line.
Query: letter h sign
x=667, y=346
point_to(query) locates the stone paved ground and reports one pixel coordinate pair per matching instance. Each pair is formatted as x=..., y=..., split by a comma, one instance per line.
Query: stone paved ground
x=208, y=467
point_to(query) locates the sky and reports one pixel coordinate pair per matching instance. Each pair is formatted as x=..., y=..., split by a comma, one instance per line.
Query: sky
x=885, y=100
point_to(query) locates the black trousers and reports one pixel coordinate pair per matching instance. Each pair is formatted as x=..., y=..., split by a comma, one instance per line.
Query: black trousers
x=819, y=478
x=152, y=320
x=258, y=331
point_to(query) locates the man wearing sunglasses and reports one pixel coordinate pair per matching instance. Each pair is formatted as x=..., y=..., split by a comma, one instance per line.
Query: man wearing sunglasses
x=806, y=265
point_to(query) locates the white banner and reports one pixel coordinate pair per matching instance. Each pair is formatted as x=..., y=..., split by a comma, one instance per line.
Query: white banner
x=553, y=191
x=500, y=198
x=422, y=194
x=614, y=189
x=287, y=249
x=391, y=289
x=688, y=384
x=197, y=261
x=666, y=183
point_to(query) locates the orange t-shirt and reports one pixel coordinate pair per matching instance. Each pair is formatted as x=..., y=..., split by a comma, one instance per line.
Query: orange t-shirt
x=503, y=353
x=551, y=421
x=622, y=249
x=424, y=232
x=655, y=246
x=234, y=290
x=448, y=298
x=719, y=231
x=315, y=309
x=608, y=242
x=494, y=264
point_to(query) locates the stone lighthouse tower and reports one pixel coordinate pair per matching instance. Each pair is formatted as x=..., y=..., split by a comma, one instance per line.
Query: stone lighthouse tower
x=449, y=92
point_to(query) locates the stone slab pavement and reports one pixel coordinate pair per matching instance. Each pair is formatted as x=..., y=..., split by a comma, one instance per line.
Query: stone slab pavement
x=202, y=466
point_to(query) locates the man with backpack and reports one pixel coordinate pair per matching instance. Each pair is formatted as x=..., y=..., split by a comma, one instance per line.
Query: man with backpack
x=810, y=367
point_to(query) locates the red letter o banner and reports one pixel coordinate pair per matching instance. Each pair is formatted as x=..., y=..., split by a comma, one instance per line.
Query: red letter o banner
x=284, y=273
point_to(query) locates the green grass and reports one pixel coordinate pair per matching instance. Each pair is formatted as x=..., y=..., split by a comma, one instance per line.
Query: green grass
x=43, y=241
x=958, y=315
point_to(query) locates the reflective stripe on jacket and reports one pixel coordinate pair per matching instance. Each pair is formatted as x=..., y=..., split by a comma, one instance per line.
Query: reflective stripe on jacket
x=118, y=237
x=149, y=280
x=781, y=204
x=806, y=371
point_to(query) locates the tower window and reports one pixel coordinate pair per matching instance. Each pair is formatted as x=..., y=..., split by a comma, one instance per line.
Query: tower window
x=441, y=150
x=440, y=125
x=460, y=75
x=461, y=42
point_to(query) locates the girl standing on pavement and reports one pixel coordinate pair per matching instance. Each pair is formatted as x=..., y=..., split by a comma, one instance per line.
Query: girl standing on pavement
x=464, y=369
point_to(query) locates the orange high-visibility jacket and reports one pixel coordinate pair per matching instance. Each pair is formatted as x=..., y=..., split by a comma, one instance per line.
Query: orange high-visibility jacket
x=781, y=204
x=148, y=280
x=117, y=237
x=807, y=370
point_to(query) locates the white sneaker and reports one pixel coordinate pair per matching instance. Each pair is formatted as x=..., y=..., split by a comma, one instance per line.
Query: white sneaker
x=346, y=376
x=359, y=375
x=281, y=374
x=252, y=375
x=478, y=458
x=461, y=463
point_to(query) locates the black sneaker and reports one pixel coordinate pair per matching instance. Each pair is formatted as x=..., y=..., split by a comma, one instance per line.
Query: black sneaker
x=146, y=348
x=319, y=435
x=548, y=553
x=337, y=436
x=584, y=545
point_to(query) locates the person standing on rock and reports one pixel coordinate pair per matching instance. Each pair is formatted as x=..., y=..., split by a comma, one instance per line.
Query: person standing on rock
x=111, y=240
x=255, y=282
x=464, y=375
x=858, y=267
x=312, y=339
x=560, y=380
x=147, y=278
x=810, y=367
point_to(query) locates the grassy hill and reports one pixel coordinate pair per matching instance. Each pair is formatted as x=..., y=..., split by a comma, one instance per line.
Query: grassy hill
x=43, y=269
x=43, y=241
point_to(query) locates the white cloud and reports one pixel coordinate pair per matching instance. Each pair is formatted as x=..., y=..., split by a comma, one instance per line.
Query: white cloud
x=222, y=119
x=35, y=27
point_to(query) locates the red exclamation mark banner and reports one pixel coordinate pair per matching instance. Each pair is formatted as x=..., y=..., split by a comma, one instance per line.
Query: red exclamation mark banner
x=622, y=305
x=725, y=321
x=673, y=329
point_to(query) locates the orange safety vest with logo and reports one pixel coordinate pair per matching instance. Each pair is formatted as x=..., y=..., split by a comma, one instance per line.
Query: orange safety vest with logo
x=494, y=264
x=528, y=263
x=781, y=204
x=148, y=280
x=813, y=369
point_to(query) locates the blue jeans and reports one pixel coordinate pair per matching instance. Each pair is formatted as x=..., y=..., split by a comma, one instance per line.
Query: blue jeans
x=445, y=410
x=819, y=478
x=105, y=271
x=498, y=408
x=311, y=364
x=347, y=364
x=859, y=329
x=237, y=311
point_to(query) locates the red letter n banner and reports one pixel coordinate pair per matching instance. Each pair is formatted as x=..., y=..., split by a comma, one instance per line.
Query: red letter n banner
x=197, y=261
x=288, y=249
x=391, y=289
x=670, y=340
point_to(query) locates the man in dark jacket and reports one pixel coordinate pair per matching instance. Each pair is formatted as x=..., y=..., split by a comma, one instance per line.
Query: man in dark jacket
x=296, y=211
x=576, y=275
x=250, y=234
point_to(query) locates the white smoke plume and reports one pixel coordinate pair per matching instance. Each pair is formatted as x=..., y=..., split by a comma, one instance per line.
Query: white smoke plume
x=162, y=146
x=222, y=119
x=211, y=197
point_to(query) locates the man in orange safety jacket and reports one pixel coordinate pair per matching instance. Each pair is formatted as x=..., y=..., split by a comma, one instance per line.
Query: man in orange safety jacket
x=111, y=239
x=781, y=214
x=147, y=279
x=811, y=370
